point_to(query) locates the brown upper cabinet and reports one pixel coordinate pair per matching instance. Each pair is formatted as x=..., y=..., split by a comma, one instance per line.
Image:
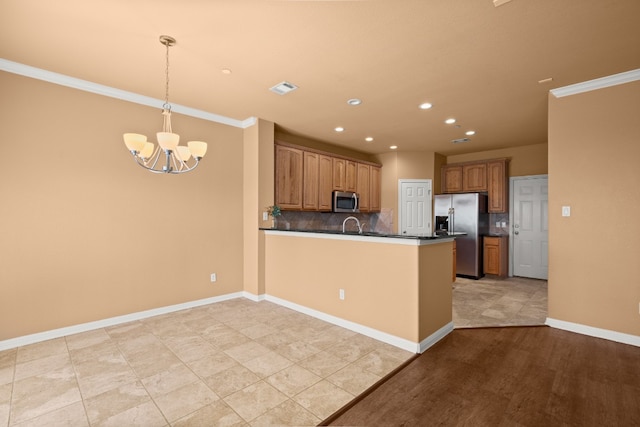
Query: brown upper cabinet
x=363, y=186
x=451, y=179
x=305, y=179
x=497, y=186
x=339, y=174
x=474, y=177
x=288, y=179
x=375, y=202
x=488, y=176
x=325, y=184
x=310, y=176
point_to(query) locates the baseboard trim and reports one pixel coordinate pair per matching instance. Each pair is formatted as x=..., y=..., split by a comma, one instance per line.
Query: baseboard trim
x=112, y=321
x=594, y=332
x=393, y=340
x=435, y=337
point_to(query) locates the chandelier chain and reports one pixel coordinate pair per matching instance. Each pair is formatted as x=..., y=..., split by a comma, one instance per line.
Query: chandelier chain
x=166, y=105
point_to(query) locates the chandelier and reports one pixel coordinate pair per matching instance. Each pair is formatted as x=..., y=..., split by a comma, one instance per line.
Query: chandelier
x=173, y=158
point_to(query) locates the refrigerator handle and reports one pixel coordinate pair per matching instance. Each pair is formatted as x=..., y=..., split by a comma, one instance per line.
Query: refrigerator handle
x=452, y=219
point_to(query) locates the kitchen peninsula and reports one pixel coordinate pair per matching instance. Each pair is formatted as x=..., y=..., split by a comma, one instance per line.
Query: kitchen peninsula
x=393, y=288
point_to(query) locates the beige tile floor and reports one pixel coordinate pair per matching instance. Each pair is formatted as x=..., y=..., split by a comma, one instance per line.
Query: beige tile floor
x=491, y=301
x=232, y=363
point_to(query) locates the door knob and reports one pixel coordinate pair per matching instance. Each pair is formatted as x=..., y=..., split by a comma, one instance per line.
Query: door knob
x=516, y=232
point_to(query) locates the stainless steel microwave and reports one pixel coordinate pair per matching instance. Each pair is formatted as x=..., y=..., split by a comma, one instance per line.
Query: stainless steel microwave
x=345, y=201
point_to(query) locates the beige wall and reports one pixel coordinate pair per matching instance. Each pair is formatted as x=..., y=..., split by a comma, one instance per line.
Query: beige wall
x=524, y=160
x=594, y=150
x=85, y=233
x=258, y=193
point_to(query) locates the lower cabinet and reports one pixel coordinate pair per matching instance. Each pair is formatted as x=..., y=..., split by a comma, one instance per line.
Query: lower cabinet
x=496, y=255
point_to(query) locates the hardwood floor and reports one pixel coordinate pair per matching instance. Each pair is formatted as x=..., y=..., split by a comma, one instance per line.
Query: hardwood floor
x=514, y=376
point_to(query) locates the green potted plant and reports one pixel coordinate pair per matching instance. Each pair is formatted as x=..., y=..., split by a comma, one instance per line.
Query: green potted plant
x=274, y=212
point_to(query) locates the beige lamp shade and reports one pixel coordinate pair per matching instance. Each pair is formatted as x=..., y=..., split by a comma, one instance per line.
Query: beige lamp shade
x=147, y=150
x=183, y=153
x=134, y=141
x=197, y=148
x=167, y=140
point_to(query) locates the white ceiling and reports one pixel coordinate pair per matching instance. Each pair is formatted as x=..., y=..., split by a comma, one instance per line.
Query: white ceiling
x=478, y=63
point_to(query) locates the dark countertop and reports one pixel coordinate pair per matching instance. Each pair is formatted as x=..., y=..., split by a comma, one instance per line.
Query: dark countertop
x=369, y=234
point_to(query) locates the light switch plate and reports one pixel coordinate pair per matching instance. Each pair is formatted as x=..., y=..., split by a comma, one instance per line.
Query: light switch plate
x=566, y=211
x=265, y=216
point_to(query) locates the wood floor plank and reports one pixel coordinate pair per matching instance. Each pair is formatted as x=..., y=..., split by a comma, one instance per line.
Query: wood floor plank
x=516, y=376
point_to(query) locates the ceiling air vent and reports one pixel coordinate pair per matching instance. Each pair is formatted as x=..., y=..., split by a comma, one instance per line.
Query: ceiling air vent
x=283, y=88
x=460, y=141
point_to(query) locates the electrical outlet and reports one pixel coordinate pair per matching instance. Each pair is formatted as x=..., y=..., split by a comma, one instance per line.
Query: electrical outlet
x=342, y=294
x=214, y=277
x=504, y=224
x=497, y=223
x=265, y=216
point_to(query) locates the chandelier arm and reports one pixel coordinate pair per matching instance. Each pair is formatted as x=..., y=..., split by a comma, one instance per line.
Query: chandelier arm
x=188, y=169
x=140, y=162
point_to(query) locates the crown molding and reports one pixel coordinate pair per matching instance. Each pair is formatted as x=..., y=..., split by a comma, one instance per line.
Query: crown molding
x=613, y=80
x=87, y=86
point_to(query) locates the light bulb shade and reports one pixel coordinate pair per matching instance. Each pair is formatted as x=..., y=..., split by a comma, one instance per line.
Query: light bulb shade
x=197, y=148
x=167, y=140
x=147, y=150
x=183, y=153
x=134, y=141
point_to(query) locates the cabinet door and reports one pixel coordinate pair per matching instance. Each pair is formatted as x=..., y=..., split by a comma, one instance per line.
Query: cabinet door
x=310, y=168
x=496, y=256
x=451, y=177
x=363, y=186
x=351, y=176
x=491, y=255
x=497, y=186
x=288, y=179
x=375, y=204
x=339, y=174
x=325, y=182
x=474, y=177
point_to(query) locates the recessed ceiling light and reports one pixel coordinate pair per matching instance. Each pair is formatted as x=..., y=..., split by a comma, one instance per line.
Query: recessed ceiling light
x=354, y=101
x=425, y=106
x=450, y=121
x=369, y=139
x=393, y=147
x=225, y=71
x=339, y=129
x=470, y=132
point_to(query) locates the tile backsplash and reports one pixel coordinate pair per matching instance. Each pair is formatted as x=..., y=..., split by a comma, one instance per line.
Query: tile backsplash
x=381, y=222
x=499, y=218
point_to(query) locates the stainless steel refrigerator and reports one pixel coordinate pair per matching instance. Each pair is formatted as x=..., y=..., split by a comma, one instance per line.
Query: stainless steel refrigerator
x=466, y=214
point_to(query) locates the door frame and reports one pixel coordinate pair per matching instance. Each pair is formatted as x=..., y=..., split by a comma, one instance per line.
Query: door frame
x=511, y=209
x=420, y=181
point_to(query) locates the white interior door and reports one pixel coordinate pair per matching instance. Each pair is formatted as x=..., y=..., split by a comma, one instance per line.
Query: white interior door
x=529, y=227
x=414, y=210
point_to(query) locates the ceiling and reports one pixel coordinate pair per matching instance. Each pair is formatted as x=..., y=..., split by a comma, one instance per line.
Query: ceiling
x=473, y=61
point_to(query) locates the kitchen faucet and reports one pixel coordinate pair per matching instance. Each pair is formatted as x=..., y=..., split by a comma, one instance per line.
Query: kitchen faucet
x=356, y=220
